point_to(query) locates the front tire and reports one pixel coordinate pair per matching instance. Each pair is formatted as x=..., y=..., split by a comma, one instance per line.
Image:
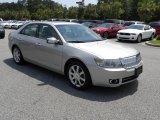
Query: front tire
x=106, y=35
x=17, y=56
x=139, y=38
x=78, y=75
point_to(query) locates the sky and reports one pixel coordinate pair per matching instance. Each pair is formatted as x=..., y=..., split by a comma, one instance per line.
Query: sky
x=68, y=3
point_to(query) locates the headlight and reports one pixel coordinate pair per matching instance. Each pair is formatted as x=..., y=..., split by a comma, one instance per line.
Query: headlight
x=138, y=58
x=133, y=34
x=109, y=63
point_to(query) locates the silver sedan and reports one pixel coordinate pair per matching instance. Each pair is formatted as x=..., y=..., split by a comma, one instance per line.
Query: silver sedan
x=76, y=51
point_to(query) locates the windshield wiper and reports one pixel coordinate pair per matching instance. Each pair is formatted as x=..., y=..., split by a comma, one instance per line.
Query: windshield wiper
x=76, y=41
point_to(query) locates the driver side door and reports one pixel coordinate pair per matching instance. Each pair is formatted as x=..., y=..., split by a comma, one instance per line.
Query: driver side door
x=147, y=32
x=48, y=55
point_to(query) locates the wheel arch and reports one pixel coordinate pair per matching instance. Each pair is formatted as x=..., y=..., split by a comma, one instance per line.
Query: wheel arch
x=106, y=31
x=73, y=60
x=77, y=60
x=13, y=46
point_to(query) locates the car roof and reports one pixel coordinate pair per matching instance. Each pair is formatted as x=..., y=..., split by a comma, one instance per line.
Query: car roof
x=139, y=24
x=54, y=22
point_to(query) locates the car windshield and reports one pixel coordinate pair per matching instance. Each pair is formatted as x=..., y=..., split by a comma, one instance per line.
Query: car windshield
x=77, y=33
x=106, y=25
x=155, y=25
x=137, y=27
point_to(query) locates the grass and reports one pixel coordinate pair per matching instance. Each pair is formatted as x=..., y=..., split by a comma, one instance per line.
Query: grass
x=155, y=42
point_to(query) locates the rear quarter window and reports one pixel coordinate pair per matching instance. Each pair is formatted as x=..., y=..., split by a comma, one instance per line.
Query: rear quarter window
x=30, y=30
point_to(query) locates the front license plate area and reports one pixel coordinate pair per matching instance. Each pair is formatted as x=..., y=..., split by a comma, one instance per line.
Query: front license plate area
x=138, y=71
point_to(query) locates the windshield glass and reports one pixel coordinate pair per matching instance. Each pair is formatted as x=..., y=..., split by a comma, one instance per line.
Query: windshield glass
x=155, y=25
x=77, y=33
x=106, y=25
x=137, y=27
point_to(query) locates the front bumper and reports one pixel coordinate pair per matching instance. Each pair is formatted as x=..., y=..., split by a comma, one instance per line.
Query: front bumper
x=127, y=37
x=103, y=76
x=15, y=27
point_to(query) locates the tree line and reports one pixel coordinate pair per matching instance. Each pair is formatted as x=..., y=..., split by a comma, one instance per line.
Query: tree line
x=144, y=10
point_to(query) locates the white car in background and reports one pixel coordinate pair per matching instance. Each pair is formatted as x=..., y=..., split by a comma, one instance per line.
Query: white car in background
x=136, y=32
x=9, y=25
x=4, y=23
x=17, y=24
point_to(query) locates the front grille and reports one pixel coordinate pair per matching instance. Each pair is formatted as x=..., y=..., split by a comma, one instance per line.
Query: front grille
x=129, y=62
x=123, y=38
x=124, y=33
x=127, y=79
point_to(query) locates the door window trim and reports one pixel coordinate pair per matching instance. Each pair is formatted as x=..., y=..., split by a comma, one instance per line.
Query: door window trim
x=27, y=26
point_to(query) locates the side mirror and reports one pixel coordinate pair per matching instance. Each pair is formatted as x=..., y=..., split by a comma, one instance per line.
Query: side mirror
x=52, y=40
x=146, y=28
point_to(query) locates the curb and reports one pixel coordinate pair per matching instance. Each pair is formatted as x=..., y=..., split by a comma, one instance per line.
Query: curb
x=147, y=43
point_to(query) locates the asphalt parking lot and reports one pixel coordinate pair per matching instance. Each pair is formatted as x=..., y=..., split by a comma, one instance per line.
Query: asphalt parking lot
x=29, y=92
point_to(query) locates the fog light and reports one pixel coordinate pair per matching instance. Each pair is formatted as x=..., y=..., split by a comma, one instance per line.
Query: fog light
x=114, y=81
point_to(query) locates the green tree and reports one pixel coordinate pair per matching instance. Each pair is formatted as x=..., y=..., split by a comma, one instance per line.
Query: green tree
x=72, y=13
x=146, y=9
x=91, y=12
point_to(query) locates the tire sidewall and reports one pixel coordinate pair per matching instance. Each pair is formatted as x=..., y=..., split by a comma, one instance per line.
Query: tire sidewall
x=152, y=37
x=21, y=57
x=106, y=35
x=87, y=75
x=138, y=38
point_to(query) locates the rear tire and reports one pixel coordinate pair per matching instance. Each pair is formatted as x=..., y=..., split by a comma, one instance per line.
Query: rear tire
x=17, y=56
x=152, y=37
x=78, y=75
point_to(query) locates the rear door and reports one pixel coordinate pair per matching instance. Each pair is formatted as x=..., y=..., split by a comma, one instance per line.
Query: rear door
x=26, y=40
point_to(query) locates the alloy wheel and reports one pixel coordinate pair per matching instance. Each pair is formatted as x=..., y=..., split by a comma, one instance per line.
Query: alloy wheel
x=17, y=56
x=77, y=76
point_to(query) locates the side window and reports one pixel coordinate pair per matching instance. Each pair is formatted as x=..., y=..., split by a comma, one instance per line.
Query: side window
x=116, y=26
x=47, y=31
x=30, y=30
x=146, y=27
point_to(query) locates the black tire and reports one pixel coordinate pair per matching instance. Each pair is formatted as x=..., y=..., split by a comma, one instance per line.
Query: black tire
x=152, y=37
x=106, y=35
x=139, y=38
x=2, y=36
x=17, y=56
x=76, y=79
x=119, y=40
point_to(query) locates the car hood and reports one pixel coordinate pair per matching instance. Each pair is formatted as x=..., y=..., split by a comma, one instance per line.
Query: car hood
x=130, y=31
x=106, y=49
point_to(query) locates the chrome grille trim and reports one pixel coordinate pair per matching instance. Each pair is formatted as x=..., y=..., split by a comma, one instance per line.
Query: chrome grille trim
x=131, y=61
